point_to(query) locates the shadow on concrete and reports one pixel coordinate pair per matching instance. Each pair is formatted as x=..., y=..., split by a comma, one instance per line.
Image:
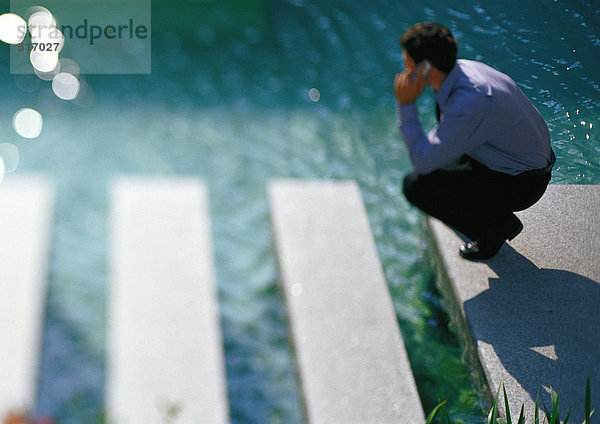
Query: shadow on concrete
x=544, y=325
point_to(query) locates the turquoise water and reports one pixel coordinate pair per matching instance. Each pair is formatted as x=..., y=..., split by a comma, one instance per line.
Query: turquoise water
x=229, y=100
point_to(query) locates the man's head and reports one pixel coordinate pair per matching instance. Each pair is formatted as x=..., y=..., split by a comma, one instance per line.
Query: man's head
x=431, y=41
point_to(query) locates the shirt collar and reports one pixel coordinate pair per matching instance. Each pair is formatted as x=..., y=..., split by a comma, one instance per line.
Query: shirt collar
x=445, y=90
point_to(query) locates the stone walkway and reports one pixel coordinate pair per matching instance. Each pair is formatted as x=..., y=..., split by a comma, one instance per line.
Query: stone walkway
x=533, y=311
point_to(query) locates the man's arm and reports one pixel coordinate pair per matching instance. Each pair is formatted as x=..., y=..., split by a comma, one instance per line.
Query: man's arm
x=458, y=133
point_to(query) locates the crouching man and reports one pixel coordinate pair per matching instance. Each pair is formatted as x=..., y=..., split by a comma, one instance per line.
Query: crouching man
x=490, y=153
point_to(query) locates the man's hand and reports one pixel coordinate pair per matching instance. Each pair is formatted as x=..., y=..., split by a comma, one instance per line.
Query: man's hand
x=407, y=87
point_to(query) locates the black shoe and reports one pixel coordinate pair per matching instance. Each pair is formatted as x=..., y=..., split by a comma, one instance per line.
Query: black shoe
x=482, y=250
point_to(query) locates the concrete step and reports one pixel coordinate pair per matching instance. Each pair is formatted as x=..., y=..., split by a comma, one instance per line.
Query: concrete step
x=165, y=352
x=26, y=215
x=532, y=313
x=352, y=362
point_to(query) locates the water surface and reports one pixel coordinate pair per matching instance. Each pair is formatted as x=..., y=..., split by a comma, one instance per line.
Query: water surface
x=241, y=93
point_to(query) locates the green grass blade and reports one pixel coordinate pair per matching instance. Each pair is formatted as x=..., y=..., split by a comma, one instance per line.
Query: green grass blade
x=588, y=402
x=493, y=415
x=445, y=417
x=555, y=411
x=591, y=413
x=567, y=417
x=521, y=419
x=536, y=419
x=546, y=413
x=432, y=413
x=508, y=419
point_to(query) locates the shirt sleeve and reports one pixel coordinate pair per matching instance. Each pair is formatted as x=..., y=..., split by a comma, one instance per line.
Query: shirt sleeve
x=458, y=133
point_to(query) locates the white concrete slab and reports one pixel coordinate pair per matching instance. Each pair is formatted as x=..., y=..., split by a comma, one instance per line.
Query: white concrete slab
x=26, y=215
x=352, y=362
x=533, y=311
x=165, y=343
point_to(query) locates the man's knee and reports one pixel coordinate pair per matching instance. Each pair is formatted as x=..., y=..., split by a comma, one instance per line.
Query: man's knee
x=411, y=188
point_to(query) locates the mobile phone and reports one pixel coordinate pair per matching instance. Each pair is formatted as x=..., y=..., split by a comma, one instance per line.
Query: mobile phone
x=423, y=65
x=426, y=66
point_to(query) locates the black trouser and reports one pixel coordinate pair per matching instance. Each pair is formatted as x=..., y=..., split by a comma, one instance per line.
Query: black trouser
x=474, y=199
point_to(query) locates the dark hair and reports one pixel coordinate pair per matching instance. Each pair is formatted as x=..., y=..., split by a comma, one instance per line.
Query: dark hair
x=431, y=41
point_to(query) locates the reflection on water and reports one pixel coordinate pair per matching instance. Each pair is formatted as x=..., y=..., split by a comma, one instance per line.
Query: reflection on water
x=241, y=92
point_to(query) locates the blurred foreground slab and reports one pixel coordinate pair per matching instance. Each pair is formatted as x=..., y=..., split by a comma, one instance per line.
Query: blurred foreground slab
x=352, y=362
x=26, y=214
x=165, y=356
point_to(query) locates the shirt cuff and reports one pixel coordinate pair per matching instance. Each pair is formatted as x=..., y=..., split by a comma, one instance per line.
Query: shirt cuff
x=407, y=113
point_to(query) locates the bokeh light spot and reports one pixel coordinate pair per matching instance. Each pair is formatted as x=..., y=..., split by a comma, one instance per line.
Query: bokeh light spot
x=44, y=61
x=65, y=86
x=70, y=66
x=45, y=35
x=9, y=153
x=28, y=123
x=47, y=76
x=314, y=95
x=12, y=28
x=39, y=19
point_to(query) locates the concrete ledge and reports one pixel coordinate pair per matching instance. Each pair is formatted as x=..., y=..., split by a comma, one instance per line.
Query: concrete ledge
x=26, y=214
x=165, y=343
x=533, y=311
x=352, y=362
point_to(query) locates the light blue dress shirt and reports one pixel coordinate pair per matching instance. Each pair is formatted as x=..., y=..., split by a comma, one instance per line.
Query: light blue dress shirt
x=483, y=114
